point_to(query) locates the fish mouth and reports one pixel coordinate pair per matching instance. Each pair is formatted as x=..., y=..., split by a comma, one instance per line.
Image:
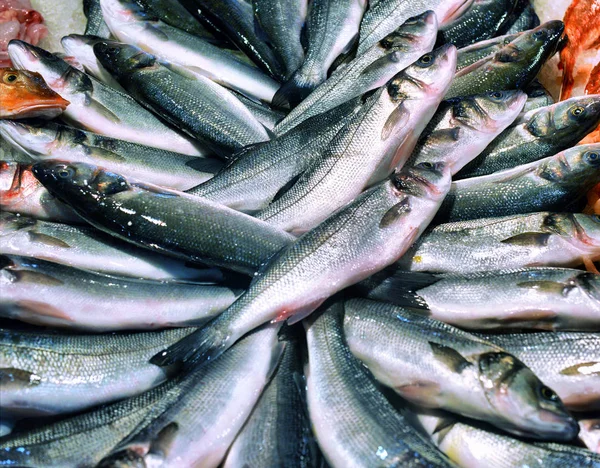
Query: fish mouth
x=39, y=109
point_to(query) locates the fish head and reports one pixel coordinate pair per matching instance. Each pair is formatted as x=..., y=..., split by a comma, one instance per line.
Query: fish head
x=78, y=45
x=586, y=231
x=78, y=182
x=578, y=166
x=122, y=59
x=25, y=94
x=429, y=76
x=17, y=184
x=418, y=30
x=430, y=179
x=33, y=139
x=571, y=119
x=527, y=406
x=122, y=12
x=589, y=284
x=487, y=112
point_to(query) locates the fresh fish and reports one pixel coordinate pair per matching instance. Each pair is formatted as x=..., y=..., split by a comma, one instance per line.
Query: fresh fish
x=538, y=97
x=198, y=428
x=358, y=240
x=44, y=293
x=506, y=243
x=332, y=29
x=369, y=71
x=163, y=220
x=278, y=432
x=379, y=138
x=283, y=21
x=89, y=249
x=25, y=94
x=84, y=439
x=472, y=446
x=568, y=362
x=464, y=127
x=532, y=298
x=558, y=182
x=354, y=423
x=538, y=134
x=385, y=16
x=21, y=192
x=131, y=25
x=53, y=141
x=201, y=108
x=82, y=49
x=438, y=366
x=265, y=115
x=173, y=13
x=97, y=107
x=261, y=172
x=482, y=20
x=589, y=433
x=513, y=66
x=235, y=20
x=470, y=54
x=527, y=18
x=95, y=21
x=49, y=373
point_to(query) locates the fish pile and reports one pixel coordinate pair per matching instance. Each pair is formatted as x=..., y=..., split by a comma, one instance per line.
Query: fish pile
x=284, y=233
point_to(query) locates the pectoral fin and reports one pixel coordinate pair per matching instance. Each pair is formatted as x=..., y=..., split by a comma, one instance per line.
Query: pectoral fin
x=45, y=239
x=450, y=357
x=529, y=239
x=17, y=379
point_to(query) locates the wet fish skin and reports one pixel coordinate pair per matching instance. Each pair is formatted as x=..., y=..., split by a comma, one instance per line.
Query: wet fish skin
x=258, y=173
x=45, y=293
x=21, y=192
x=196, y=105
x=527, y=19
x=370, y=70
x=378, y=139
x=438, y=366
x=513, y=66
x=283, y=22
x=553, y=183
x=564, y=361
x=54, y=141
x=538, y=134
x=25, y=94
x=267, y=116
x=198, y=428
x=87, y=248
x=353, y=243
x=208, y=233
x=175, y=14
x=132, y=25
x=354, y=423
x=97, y=107
x=278, y=431
x=332, y=29
x=385, y=16
x=53, y=373
x=505, y=243
x=538, y=97
x=473, y=53
x=463, y=127
x=95, y=21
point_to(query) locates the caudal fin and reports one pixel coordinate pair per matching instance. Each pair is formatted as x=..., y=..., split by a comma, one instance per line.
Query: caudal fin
x=294, y=91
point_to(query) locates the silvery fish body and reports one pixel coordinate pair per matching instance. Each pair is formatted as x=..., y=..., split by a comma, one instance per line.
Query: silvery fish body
x=473, y=53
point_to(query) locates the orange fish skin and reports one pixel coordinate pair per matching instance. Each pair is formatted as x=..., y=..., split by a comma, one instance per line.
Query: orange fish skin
x=25, y=94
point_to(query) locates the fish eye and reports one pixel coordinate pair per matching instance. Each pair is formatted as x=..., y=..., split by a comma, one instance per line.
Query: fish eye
x=425, y=165
x=425, y=61
x=548, y=394
x=539, y=34
x=596, y=218
x=65, y=172
x=496, y=95
x=10, y=78
x=577, y=111
x=593, y=156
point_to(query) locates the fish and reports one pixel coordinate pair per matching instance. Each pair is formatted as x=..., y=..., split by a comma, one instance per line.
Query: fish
x=538, y=97
x=538, y=134
x=47, y=373
x=530, y=298
x=25, y=94
x=568, y=362
x=353, y=422
x=385, y=16
x=87, y=248
x=470, y=54
x=45, y=293
x=196, y=105
x=473, y=446
x=81, y=48
x=22, y=193
x=129, y=24
x=234, y=19
x=332, y=29
x=514, y=66
x=593, y=201
x=97, y=107
x=198, y=428
x=589, y=433
x=162, y=220
x=378, y=139
x=173, y=13
x=54, y=141
x=527, y=19
x=95, y=25
x=464, y=127
x=481, y=21
x=506, y=243
x=278, y=431
x=267, y=116
x=371, y=70
x=436, y=365
x=358, y=240
x=557, y=182
x=259, y=173
x=283, y=22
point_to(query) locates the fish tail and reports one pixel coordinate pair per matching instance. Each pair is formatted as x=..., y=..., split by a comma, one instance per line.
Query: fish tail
x=294, y=91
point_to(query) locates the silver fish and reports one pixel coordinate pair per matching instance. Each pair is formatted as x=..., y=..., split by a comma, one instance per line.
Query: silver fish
x=475, y=52
x=95, y=22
